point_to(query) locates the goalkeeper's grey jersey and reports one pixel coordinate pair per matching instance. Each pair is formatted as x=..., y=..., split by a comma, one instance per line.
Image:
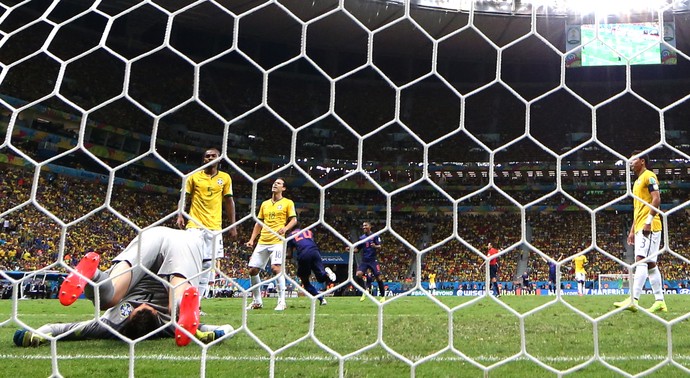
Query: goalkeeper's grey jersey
x=163, y=251
x=148, y=290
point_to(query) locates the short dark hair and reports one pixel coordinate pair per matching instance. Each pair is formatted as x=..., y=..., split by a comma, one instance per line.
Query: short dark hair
x=281, y=178
x=140, y=324
x=644, y=157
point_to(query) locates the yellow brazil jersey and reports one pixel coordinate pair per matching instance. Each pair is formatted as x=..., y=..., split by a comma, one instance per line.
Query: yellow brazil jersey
x=644, y=185
x=580, y=262
x=207, y=193
x=432, y=278
x=275, y=216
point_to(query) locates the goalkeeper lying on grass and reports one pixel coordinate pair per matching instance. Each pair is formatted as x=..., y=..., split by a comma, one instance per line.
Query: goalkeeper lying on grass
x=138, y=304
x=132, y=317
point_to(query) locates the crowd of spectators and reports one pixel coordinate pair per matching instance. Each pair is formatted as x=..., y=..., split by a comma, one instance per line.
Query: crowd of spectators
x=31, y=234
x=512, y=177
x=31, y=240
x=5, y=289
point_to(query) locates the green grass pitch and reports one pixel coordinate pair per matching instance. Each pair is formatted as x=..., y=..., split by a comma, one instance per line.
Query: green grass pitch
x=452, y=341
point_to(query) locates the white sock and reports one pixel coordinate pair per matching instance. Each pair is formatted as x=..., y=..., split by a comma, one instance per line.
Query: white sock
x=580, y=288
x=203, y=285
x=177, y=302
x=641, y=273
x=657, y=283
x=281, y=287
x=211, y=279
x=257, y=290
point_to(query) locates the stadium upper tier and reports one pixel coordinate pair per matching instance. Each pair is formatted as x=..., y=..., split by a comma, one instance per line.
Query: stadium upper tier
x=43, y=133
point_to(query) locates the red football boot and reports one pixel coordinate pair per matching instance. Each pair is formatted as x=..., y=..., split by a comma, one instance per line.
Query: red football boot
x=188, y=317
x=74, y=284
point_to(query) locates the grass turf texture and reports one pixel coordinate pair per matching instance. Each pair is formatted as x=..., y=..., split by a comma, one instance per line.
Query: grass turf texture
x=413, y=327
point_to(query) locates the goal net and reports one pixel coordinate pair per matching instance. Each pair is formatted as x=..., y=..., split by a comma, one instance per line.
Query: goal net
x=449, y=126
x=613, y=284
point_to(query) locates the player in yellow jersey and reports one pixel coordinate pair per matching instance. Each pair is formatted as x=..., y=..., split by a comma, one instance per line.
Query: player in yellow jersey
x=209, y=190
x=432, y=283
x=580, y=273
x=279, y=216
x=645, y=234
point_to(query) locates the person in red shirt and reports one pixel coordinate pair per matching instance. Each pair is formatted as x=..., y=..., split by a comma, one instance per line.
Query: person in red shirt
x=493, y=269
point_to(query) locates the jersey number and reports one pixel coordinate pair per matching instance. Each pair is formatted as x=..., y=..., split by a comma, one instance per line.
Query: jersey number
x=304, y=235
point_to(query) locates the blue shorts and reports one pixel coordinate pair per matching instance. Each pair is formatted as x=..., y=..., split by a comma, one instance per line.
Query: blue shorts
x=371, y=265
x=308, y=262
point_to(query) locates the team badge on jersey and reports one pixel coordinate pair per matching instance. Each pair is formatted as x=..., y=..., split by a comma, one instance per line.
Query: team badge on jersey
x=125, y=310
x=219, y=182
x=279, y=207
x=653, y=183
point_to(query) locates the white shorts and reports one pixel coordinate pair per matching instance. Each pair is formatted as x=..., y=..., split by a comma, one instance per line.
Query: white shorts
x=263, y=252
x=432, y=286
x=579, y=277
x=211, y=239
x=165, y=252
x=647, y=246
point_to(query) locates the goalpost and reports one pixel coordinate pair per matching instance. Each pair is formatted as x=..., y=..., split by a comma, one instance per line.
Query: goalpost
x=613, y=284
x=406, y=127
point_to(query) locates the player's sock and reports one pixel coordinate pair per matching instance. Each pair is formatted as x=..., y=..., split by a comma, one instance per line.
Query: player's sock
x=25, y=338
x=281, y=288
x=211, y=279
x=107, y=292
x=360, y=282
x=257, y=290
x=88, y=290
x=382, y=289
x=310, y=288
x=203, y=285
x=657, y=283
x=641, y=273
x=206, y=278
x=207, y=334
